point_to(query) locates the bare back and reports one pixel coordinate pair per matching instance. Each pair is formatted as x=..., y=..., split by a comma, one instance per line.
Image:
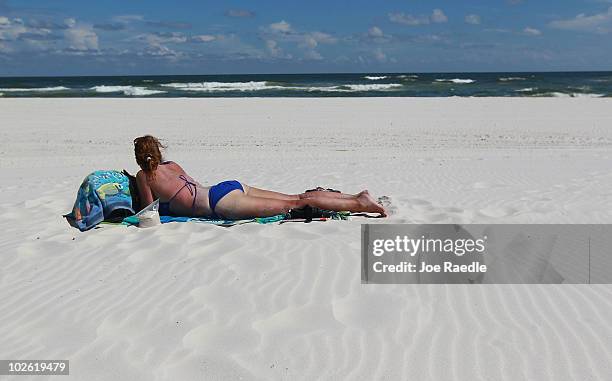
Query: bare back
x=169, y=185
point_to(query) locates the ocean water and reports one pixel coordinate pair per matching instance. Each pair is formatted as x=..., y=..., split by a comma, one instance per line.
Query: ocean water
x=553, y=84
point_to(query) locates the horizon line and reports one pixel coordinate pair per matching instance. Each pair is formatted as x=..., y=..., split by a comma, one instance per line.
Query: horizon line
x=309, y=73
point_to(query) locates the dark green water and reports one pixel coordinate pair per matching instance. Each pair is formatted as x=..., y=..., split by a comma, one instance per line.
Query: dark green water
x=560, y=84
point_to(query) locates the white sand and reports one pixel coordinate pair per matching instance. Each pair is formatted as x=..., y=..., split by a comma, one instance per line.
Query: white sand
x=187, y=301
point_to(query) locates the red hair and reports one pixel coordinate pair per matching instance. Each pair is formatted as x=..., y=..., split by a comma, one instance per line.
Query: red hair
x=147, y=150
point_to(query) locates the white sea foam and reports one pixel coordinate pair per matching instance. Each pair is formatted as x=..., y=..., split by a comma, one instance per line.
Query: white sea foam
x=353, y=87
x=258, y=86
x=579, y=88
x=127, y=90
x=110, y=89
x=321, y=88
x=223, y=86
x=373, y=86
x=405, y=76
x=36, y=89
x=602, y=80
x=586, y=95
x=456, y=80
x=375, y=78
x=506, y=79
x=141, y=91
x=557, y=94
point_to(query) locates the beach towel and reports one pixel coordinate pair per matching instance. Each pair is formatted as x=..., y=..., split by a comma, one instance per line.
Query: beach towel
x=103, y=195
x=281, y=218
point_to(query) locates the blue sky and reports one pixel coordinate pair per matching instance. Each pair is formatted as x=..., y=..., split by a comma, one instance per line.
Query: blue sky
x=120, y=37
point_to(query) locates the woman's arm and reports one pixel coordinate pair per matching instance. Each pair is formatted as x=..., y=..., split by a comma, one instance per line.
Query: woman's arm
x=146, y=195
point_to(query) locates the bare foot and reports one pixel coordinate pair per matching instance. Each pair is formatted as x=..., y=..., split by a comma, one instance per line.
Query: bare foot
x=370, y=205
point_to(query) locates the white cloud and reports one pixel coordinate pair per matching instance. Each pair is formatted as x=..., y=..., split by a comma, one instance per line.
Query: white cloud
x=16, y=35
x=313, y=39
x=284, y=31
x=376, y=35
x=281, y=27
x=203, y=38
x=275, y=50
x=128, y=18
x=375, y=32
x=307, y=42
x=310, y=41
x=155, y=39
x=598, y=23
x=438, y=16
x=380, y=56
x=163, y=52
x=313, y=55
x=532, y=31
x=323, y=38
x=407, y=19
x=472, y=19
x=70, y=22
x=10, y=30
x=430, y=38
x=82, y=37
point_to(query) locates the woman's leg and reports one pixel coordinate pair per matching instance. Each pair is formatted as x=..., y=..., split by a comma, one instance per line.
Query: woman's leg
x=238, y=205
x=362, y=203
x=257, y=192
x=327, y=194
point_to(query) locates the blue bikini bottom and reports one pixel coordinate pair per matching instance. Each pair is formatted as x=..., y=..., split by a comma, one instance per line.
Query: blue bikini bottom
x=217, y=192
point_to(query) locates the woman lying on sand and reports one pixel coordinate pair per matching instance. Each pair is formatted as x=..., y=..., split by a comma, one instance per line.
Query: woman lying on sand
x=180, y=194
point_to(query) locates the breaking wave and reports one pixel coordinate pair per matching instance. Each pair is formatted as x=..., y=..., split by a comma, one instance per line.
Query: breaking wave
x=534, y=92
x=260, y=86
x=576, y=95
x=126, y=90
x=223, y=86
x=507, y=79
x=456, y=80
x=375, y=78
x=369, y=87
x=354, y=87
x=37, y=89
